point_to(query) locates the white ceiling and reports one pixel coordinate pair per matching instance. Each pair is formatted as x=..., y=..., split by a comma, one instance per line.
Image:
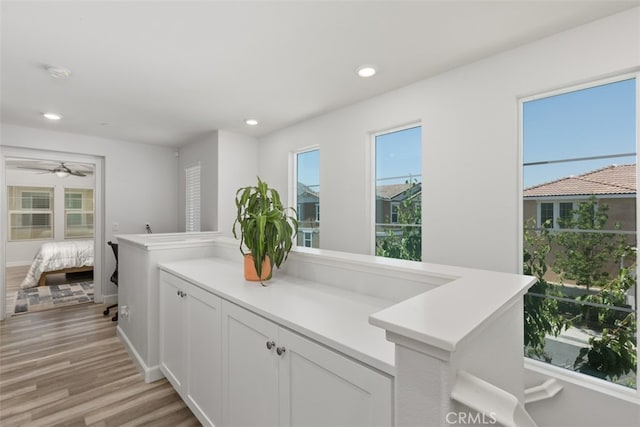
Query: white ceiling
x=164, y=72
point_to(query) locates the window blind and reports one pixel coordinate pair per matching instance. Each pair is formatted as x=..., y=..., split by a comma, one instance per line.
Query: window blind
x=192, y=198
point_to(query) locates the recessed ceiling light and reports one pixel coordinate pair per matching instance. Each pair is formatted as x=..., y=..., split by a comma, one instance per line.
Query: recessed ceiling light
x=366, y=71
x=251, y=122
x=59, y=72
x=52, y=116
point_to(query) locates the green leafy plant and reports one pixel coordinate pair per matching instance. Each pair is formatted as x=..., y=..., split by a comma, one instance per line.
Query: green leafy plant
x=541, y=315
x=267, y=229
x=408, y=245
x=613, y=353
x=588, y=254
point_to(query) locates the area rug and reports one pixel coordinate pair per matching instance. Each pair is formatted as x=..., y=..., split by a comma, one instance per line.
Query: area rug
x=48, y=297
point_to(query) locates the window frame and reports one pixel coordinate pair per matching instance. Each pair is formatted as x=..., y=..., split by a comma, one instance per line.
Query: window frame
x=83, y=210
x=21, y=190
x=540, y=367
x=293, y=188
x=371, y=186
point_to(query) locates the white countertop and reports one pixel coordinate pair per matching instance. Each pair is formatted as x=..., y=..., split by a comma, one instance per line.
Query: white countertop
x=169, y=240
x=335, y=317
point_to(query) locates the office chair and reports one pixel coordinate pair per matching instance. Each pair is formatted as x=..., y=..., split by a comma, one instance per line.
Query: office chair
x=114, y=280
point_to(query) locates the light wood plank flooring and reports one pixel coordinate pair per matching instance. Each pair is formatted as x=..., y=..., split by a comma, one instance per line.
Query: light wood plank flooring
x=66, y=367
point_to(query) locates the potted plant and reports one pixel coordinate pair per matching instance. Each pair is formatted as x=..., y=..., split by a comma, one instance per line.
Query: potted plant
x=267, y=229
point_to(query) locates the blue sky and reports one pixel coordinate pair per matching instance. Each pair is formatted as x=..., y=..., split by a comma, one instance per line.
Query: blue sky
x=309, y=169
x=591, y=122
x=399, y=154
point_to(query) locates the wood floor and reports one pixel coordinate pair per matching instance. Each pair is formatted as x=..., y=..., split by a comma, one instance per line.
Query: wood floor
x=66, y=367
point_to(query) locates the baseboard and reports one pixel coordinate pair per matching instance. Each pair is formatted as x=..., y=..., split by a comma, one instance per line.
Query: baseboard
x=150, y=374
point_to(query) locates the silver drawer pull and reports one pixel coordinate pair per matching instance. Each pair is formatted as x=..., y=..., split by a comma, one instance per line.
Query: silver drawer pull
x=280, y=350
x=270, y=344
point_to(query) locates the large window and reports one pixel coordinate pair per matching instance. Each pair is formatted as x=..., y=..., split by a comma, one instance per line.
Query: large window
x=192, y=198
x=580, y=223
x=307, y=173
x=398, y=193
x=78, y=213
x=30, y=213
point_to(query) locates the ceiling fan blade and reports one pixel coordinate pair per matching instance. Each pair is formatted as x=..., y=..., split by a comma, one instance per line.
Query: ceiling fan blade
x=77, y=173
x=35, y=169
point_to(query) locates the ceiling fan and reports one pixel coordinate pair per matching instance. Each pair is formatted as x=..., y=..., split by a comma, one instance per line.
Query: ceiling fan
x=60, y=170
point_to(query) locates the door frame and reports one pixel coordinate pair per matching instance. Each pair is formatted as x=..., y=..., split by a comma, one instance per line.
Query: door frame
x=98, y=192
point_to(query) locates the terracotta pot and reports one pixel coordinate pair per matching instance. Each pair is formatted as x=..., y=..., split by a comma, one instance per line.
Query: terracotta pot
x=250, y=269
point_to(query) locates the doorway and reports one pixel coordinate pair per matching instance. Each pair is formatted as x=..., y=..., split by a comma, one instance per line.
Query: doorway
x=49, y=197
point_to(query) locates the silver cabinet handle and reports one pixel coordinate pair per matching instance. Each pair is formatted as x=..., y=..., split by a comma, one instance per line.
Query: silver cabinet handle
x=178, y=293
x=280, y=350
x=270, y=344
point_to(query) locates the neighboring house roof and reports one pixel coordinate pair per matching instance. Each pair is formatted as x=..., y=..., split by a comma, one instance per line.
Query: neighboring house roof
x=392, y=191
x=306, y=194
x=615, y=179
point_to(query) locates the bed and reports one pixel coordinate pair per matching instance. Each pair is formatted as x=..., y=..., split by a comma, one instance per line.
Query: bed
x=59, y=257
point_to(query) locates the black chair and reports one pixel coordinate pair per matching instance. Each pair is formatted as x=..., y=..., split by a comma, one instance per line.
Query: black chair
x=114, y=280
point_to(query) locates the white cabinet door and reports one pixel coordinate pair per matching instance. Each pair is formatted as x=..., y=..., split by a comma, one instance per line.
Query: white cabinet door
x=204, y=355
x=172, y=326
x=250, y=369
x=319, y=387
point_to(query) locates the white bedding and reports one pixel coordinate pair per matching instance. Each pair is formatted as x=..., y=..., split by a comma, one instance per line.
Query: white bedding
x=54, y=256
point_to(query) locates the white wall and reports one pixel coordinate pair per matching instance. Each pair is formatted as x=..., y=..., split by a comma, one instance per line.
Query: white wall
x=23, y=252
x=140, y=181
x=470, y=144
x=471, y=158
x=237, y=167
x=205, y=151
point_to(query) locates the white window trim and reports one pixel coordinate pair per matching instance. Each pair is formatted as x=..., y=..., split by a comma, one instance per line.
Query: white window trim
x=370, y=186
x=582, y=380
x=32, y=211
x=293, y=177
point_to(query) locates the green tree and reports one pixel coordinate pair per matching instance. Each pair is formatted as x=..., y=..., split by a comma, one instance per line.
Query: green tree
x=587, y=253
x=613, y=353
x=541, y=314
x=408, y=244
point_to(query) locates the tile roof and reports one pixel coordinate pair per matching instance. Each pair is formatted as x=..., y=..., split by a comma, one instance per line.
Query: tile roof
x=391, y=190
x=614, y=179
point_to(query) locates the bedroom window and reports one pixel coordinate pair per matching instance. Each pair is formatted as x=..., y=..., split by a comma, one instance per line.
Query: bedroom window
x=580, y=229
x=398, y=193
x=307, y=173
x=78, y=213
x=192, y=198
x=30, y=213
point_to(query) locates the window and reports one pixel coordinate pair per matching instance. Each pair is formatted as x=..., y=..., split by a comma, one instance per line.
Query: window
x=398, y=193
x=308, y=239
x=580, y=175
x=30, y=213
x=192, y=198
x=307, y=191
x=556, y=214
x=78, y=213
